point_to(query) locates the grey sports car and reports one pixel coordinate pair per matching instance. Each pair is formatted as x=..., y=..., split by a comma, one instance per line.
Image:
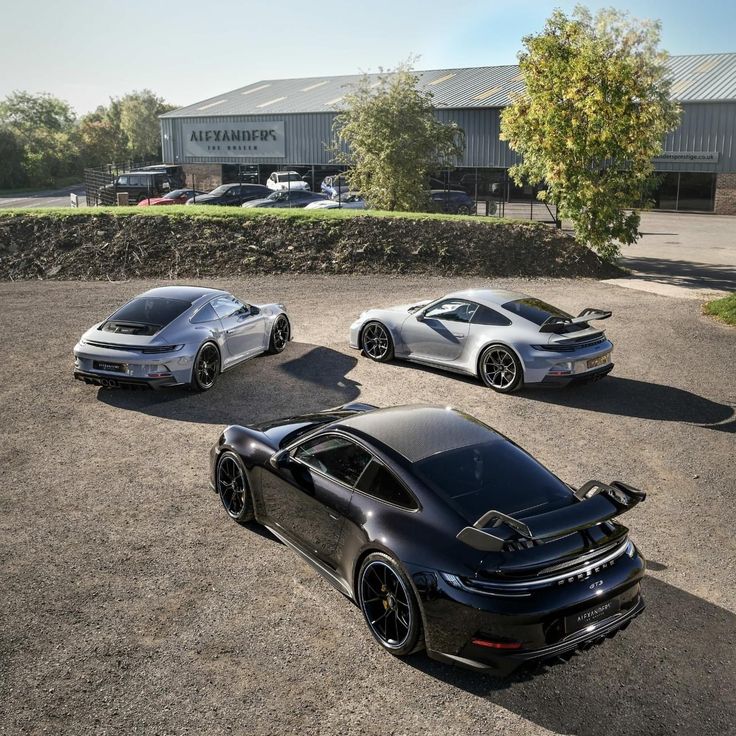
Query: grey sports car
x=178, y=335
x=505, y=338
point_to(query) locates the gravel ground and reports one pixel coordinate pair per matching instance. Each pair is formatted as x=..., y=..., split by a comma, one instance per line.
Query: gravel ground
x=131, y=605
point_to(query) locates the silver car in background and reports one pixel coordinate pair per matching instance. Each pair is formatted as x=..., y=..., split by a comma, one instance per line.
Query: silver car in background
x=178, y=335
x=505, y=338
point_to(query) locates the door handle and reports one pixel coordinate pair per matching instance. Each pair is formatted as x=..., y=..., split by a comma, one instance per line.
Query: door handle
x=460, y=335
x=332, y=516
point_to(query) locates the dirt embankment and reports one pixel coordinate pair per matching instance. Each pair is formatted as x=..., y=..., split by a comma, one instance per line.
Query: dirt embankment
x=129, y=246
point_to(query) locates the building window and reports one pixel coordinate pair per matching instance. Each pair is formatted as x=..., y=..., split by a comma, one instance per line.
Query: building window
x=686, y=191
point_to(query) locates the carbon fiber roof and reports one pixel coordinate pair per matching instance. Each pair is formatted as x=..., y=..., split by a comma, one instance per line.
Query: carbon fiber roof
x=418, y=431
x=696, y=78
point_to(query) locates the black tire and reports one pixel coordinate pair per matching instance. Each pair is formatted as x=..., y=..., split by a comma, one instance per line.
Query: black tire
x=376, y=342
x=500, y=369
x=233, y=488
x=390, y=609
x=206, y=367
x=280, y=335
x=463, y=210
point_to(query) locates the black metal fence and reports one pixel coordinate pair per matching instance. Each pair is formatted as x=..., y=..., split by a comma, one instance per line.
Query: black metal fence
x=96, y=179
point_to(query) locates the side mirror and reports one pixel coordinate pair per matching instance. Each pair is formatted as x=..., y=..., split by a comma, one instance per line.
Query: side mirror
x=280, y=459
x=254, y=310
x=419, y=316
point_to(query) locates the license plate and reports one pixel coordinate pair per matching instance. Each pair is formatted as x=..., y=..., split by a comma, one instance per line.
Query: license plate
x=102, y=365
x=592, y=615
x=600, y=360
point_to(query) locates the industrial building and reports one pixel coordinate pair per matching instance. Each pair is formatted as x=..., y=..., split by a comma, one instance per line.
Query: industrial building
x=287, y=124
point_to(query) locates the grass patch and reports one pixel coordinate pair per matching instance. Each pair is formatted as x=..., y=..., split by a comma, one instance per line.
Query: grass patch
x=723, y=309
x=217, y=211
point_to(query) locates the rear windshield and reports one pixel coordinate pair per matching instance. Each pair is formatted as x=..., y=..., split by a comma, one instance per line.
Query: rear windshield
x=151, y=313
x=535, y=310
x=495, y=475
x=288, y=177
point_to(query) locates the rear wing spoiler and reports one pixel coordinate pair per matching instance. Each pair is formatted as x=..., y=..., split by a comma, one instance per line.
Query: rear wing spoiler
x=597, y=502
x=551, y=324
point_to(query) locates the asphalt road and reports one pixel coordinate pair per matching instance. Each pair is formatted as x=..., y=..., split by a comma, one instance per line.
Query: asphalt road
x=131, y=604
x=49, y=198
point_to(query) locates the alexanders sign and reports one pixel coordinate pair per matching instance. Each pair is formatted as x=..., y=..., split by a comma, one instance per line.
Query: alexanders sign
x=234, y=140
x=702, y=157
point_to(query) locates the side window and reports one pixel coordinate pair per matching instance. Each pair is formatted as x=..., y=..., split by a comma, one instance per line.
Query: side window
x=335, y=456
x=487, y=316
x=379, y=482
x=452, y=310
x=122, y=181
x=206, y=314
x=227, y=306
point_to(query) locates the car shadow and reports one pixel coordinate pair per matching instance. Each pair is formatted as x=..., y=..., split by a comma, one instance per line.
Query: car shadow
x=632, y=398
x=302, y=379
x=670, y=672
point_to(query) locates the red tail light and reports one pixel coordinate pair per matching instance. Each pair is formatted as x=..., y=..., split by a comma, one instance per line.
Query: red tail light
x=496, y=644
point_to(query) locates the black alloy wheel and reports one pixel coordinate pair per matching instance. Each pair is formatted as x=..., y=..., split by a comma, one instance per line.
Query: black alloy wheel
x=500, y=369
x=388, y=604
x=377, y=343
x=233, y=489
x=280, y=334
x=206, y=367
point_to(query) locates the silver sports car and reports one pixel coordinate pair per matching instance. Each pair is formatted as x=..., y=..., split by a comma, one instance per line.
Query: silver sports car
x=506, y=338
x=178, y=335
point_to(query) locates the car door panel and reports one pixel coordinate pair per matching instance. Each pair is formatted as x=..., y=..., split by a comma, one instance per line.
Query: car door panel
x=243, y=329
x=440, y=338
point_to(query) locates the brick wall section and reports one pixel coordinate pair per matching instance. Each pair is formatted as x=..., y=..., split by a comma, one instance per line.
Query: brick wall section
x=725, y=194
x=206, y=176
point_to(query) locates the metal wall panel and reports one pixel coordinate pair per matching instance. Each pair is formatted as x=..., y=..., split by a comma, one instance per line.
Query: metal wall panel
x=705, y=127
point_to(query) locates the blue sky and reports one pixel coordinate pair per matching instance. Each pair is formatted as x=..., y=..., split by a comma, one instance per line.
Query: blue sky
x=87, y=51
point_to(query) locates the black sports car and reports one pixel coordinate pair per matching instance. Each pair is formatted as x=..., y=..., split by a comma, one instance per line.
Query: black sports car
x=445, y=533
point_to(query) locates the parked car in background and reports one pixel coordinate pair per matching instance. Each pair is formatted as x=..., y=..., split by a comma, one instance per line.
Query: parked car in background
x=444, y=532
x=232, y=195
x=175, y=173
x=178, y=335
x=346, y=202
x=294, y=198
x=505, y=338
x=289, y=180
x=138, y=185
x=177, y=196
x=334, y=185
x=453, y=201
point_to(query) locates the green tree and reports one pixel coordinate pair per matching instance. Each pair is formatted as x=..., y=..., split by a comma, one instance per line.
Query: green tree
x=139, y=123
x=593, y=115
x=392, y=140
x=12, y=173
x=44, y=127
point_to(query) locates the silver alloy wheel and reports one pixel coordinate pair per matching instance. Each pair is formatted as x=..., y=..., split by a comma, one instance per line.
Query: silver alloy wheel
x=280, y=333
x=499, y=368
x=386, y=604
x=375, y=341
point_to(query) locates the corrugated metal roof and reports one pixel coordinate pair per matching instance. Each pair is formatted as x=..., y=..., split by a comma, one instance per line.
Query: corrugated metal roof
x=696, y=78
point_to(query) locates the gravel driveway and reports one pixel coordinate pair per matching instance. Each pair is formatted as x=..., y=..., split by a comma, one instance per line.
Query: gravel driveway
x=131, y=605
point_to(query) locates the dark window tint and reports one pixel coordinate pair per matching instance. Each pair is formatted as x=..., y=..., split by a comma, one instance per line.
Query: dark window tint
x=334, y=456
x=122, y=181
x=205, y=314
x=381, y=483
x=486, y=316
x=493, y=475
x=227, y=306
x=535, y=310
x=150, y=311
x=452, y=310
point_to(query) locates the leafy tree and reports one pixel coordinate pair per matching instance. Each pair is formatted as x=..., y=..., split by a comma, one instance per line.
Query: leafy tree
x=139, y=123
x=12, y=173
x=593, y=115
x=44, y=127
x=392, y=140
x=100, y=139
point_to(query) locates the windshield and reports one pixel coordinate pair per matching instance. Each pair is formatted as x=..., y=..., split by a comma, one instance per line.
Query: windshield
x=151, y=312
x=288, y=177
x=221, y=190
x=534, y=310
x=494, y=475
x=277, y=196
x=175, y=194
